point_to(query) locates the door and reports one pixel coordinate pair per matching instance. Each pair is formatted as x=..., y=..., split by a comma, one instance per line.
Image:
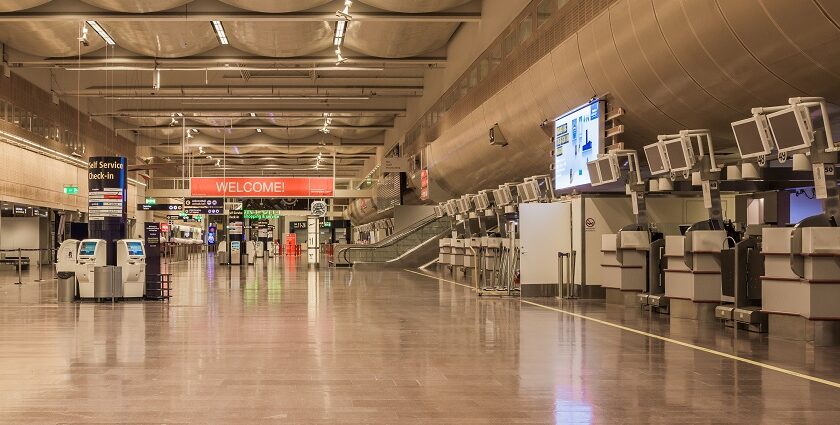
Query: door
x=544, y=232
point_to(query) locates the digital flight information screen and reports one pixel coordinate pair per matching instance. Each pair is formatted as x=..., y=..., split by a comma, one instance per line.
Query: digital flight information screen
x=578, y=139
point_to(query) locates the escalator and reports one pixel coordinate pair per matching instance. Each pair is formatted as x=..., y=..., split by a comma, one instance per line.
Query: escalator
x=411, y=247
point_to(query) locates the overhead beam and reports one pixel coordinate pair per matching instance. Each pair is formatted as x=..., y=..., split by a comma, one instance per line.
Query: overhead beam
x=263, y=127
x=207, y=16
x=227, y=63
x=165, y=112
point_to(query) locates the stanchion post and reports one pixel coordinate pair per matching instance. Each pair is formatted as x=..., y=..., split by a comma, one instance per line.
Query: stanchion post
x=19, y=267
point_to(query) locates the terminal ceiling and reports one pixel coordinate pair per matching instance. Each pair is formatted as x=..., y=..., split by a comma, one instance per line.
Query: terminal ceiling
x=264, y=99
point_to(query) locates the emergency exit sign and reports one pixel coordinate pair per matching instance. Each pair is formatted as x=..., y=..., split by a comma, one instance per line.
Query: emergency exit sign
x=71, y=190
x=151, y=201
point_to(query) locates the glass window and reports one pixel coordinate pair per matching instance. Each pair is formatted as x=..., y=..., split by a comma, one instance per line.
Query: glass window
x=526, y=27
x=543, y=12
x=509, y=43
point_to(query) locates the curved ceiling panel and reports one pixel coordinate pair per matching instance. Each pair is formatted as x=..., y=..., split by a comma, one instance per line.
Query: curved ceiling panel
x=218, y=122
x=137, y=6
x=415, y=6
x=228, y=133
x=289, y=133
x=607, y=74
x=815, y=37
x=276, y=6
x=568, y=66
x=772, y=44
x=705, y=46
x=355, y=134
x=654, y=70
x=55, y=39
x=280, y=39
x=290, y=121
x=163, y=39
x=398, y=39
x=15, y=5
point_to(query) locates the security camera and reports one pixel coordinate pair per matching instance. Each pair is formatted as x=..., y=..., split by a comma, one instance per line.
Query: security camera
x=496, y=136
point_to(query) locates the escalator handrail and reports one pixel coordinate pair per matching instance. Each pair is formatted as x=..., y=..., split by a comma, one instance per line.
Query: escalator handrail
x=391, y=240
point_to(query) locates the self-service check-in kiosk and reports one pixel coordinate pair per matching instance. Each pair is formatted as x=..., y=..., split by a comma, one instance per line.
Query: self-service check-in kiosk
x=92, y=253
x=235, y=252
x=251, y=251
x=131, y=256
x=66, y=259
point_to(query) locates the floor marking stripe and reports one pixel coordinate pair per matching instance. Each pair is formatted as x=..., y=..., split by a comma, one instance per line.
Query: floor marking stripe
x=663, y=338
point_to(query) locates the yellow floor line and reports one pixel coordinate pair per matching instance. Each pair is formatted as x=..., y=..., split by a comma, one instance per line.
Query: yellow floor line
x=665, y=339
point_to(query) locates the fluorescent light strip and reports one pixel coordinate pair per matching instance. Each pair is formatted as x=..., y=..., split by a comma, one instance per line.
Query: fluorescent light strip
x=340, y=30
x=238, y=97
x=220, y=32
x=219, y=68
x=102, y=33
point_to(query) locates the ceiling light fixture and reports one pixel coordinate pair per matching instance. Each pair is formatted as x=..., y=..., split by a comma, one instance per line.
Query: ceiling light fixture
x=259, y=130
x=156, y=80
x=220, y=32
x=83, y=35
x=102, y=33
x=341, y=25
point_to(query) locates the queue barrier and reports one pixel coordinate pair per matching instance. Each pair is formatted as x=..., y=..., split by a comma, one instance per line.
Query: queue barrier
x=19, y=261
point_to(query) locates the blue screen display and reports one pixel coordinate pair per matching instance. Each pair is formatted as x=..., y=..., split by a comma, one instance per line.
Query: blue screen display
x=87, y=249
x=135, y=248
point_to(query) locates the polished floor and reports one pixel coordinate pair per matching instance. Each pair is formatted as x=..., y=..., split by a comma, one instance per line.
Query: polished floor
x=276, y=343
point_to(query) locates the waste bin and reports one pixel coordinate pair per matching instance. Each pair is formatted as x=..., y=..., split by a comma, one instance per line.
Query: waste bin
x=66, y=287
x=107, y=282
x=222, y=256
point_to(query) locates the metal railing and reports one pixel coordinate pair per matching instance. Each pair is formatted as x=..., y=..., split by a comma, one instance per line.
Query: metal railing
x=394, y=245
x=19, y=261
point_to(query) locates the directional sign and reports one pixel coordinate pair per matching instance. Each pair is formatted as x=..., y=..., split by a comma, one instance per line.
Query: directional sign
x=160, y=207
x=204, y=202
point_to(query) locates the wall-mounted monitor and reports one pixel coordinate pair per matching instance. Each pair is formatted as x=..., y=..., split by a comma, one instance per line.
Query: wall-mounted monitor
x=679, y=153
x=753, y=137
x=578, y=139
x=657, y=162
x=791, y=128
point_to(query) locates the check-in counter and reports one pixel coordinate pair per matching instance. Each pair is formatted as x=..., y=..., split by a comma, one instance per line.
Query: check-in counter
x=458, y=252
x=624, y=260
x=814, y=296
x=445, y=255
x=693, y=272
x=492, y=248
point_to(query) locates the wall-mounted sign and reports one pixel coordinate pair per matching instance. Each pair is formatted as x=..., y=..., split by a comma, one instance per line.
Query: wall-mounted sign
x=21, y=211
x=204, y=202
x=160, y=207
x=394, y=165
x=299, y=204
x=424, y=184
x=262, y=187
x=71, y=190
x=297, y=225
x=151, y=201
x=261, y=215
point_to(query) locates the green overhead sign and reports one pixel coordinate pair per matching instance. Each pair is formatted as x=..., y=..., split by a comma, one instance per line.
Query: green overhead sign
x=151, y=201
x=71, y=190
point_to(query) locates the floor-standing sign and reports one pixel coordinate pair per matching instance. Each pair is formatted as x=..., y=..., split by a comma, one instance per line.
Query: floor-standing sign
x=107, y=195
x=153, y=278
x=313, y=230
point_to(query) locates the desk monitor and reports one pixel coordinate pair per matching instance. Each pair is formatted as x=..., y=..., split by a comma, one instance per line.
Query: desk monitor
x=751, y=135
x=657, y=162
x=791, y=128
x=680, y=157
x=608, y=169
